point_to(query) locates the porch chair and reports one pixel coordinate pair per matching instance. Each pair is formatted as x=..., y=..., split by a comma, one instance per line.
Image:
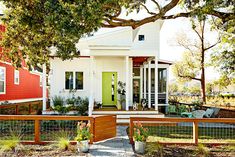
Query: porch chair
x=198, y=113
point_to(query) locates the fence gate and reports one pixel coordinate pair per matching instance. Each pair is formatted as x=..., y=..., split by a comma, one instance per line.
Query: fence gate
x=104, y=127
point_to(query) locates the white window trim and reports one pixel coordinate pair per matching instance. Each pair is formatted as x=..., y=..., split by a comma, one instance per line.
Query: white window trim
x=17, y=83
x=4, y=69
x=74, y=81
x=40, y=80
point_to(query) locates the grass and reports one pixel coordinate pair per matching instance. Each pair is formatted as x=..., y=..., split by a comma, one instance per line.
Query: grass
x=185, y=134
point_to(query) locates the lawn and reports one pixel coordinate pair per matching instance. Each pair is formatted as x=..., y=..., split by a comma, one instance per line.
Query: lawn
x=185, y=134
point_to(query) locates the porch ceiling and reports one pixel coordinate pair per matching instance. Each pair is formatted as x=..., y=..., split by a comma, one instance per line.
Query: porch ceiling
x=138, y=61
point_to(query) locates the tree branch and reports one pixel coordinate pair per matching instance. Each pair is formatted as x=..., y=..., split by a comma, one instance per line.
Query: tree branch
x=151, y=13
x=189, y=77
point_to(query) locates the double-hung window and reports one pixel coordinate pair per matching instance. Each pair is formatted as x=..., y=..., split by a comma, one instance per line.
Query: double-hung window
x=74, y=80
x=17, y=77
x=2, y=80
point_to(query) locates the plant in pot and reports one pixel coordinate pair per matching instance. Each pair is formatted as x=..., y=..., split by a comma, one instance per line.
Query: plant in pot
x=121, y=95
x=83, y=136
x=140, y=137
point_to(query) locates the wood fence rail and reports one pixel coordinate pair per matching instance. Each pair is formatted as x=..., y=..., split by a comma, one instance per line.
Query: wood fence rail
x=164, y=121
x=38, y=118
x=16, y=106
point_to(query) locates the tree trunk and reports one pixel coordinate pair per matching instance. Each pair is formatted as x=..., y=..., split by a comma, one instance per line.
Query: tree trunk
x=203, y=86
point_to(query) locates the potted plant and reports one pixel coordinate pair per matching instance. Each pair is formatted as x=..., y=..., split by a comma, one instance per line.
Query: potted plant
x=121, y=95
x=140, y=137
x=83, y=136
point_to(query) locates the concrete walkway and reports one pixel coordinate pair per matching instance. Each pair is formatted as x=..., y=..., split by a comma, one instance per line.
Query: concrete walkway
x=118, y=146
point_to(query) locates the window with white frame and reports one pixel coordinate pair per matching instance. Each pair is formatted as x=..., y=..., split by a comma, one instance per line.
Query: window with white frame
x=16, y=77
x=2, y=80
x=74, y=80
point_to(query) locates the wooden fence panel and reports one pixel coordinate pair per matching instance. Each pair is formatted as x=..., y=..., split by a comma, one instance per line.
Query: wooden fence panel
x=104, y=127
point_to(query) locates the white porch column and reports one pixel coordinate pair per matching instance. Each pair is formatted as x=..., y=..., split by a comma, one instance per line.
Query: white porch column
x=91, y=97
x=156, y=82
x=141, y=82
x=167, y=84
x=145, y=82
x=127, y=82
x=44, y=88
x=149, y=83
x=131, y=82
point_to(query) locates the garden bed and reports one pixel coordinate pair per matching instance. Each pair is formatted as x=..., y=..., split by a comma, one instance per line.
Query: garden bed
x=42, y=150
x=154, y=149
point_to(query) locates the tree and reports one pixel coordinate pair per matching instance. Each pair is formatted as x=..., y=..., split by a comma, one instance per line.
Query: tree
x=192, y=67
x=34, y=26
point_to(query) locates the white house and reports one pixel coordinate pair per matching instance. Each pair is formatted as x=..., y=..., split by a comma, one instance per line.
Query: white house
x=126, y=55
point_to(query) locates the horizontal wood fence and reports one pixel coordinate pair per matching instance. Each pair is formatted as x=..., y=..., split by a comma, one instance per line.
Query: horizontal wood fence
x=186, y=130
x=39, y=129
x=26, y=108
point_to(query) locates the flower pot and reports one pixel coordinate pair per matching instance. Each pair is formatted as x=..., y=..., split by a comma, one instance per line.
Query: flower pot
x=83, y=146
x=140, y=147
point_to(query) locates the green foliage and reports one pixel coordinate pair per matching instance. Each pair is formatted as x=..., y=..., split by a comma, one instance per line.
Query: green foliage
x=83, y=106
x=155, y=147
x=202, y=150
x=83, y=132
x=140, y=133
x=9, y=143
x=58, y=101
x=62, y=139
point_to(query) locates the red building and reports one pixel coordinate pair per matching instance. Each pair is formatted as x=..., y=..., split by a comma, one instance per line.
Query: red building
x=18, y=85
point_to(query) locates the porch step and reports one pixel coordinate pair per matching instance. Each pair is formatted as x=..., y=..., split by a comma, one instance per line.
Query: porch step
x=123, y=117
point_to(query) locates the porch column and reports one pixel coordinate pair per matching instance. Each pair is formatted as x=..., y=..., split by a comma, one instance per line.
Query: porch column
x=44, y=87
x=156, y=82
x=167, y=83
x=127, y=83
x=149, y=83
x=91, y=97
x=141, y=82
x=145, y=82
x=131, y=82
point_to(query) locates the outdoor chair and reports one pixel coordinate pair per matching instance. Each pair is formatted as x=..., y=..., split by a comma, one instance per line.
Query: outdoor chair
x=199, y=113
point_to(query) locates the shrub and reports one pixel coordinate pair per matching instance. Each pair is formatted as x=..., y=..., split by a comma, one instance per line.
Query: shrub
x=202, y=150
x=62, y=139
x=58, y=101
x=83, y=106
x=10, y=143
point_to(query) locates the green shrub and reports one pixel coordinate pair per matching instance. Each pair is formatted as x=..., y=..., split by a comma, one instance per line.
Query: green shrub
x=58, y=101
x=202, y=150
x=9, y=143
x=62, y=139
x=83, y=106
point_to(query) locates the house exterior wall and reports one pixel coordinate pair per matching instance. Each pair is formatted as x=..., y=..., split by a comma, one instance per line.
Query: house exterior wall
x=28, y=87
x=57, y=76
x=101, y=64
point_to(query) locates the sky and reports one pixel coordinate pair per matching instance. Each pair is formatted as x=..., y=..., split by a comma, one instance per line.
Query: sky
x=170, y=29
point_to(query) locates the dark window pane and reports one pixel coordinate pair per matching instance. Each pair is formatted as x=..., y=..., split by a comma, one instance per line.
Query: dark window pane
x=141, y=37
x=2, y=86
x=136, y=71
x=79, y=80
x=68, y=80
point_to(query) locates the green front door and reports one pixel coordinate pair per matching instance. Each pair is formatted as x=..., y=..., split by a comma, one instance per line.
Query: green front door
x=109, y=88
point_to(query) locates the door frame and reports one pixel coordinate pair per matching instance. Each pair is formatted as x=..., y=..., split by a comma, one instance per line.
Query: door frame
x=109, y=71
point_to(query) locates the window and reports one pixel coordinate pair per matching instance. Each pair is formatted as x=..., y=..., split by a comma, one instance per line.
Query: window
x=17, y=77
x=69, y=80
x=2, y=80
x=73, y=80
x=79, y=80
x=141, y=37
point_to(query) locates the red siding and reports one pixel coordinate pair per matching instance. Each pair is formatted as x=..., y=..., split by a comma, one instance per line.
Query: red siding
x=28, y=87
